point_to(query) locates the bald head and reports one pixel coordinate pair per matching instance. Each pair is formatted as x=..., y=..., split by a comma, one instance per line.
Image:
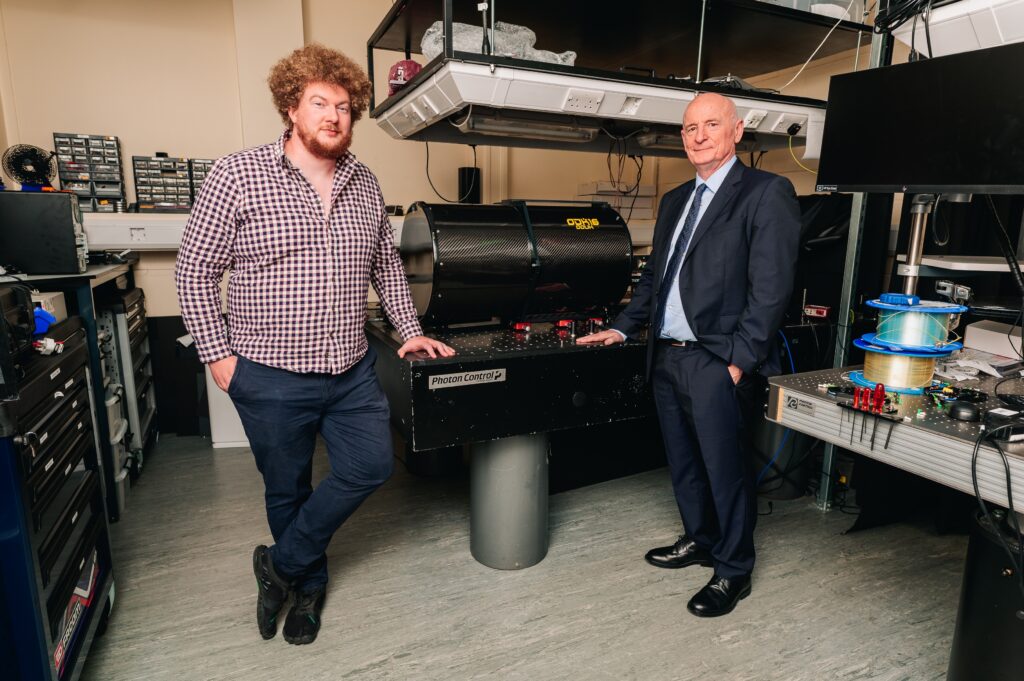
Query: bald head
x=711, y=131
x=712, y=101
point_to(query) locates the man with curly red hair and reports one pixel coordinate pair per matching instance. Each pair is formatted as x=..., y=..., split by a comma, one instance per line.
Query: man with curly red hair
x=302, y=227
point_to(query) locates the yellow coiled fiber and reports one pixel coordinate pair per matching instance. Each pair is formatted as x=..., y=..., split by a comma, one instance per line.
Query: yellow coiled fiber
x=898, y=371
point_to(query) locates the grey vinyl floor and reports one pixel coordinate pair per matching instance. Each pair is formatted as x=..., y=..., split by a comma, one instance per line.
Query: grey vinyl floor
x=407, y=601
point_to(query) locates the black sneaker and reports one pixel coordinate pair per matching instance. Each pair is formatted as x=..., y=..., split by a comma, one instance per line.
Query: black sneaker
x=303, y=621
x=272, y=592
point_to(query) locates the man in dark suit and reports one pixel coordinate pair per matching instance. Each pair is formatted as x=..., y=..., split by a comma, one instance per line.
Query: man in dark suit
x=712, y=297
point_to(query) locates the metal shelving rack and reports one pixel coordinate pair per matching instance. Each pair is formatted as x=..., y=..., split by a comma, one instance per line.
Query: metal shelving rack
x=123, y=316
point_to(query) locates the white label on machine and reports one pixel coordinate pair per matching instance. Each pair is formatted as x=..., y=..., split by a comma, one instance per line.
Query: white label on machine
x=802, y=406
x=1002, y=412
x=467, y=378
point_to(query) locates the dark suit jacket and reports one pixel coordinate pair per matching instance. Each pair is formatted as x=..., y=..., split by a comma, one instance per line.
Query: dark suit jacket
x=737, y=277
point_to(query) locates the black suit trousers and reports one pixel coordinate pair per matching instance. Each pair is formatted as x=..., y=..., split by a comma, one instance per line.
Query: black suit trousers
x=705, y=422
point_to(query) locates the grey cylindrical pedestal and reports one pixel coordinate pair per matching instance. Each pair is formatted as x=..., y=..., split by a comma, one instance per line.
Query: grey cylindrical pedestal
x=508, y=524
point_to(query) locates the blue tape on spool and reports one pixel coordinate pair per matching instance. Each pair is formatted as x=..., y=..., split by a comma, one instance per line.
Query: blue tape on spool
x=858, y=378
x=867, y=342
x=899, y=299
x=923, y=306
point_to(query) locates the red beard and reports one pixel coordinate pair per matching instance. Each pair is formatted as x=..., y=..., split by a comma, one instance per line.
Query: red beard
x=332, y=150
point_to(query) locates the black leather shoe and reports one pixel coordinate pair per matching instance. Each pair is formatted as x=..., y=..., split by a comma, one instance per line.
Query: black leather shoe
x=719, y=596
x=303, y=621
x=272, y=592
x=683, y=553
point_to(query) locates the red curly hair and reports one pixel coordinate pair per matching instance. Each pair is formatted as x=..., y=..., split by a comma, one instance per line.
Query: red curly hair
x=315, y=63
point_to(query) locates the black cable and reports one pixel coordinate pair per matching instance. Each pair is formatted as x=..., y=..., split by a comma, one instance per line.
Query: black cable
x=1007, y=248
x=618, y=145
x=819, y=357
x=1015, y=400
x=898, y=13
x=843, y=506
x=935, y=227
x=613, y=145
x=1016, y=323
x=636, y=193
x=914, y=56
x=23, y=298
x=925, y=18
x=791, y=466
x=845, y=347
x=1016, y=561
x=1014, y=521
x=13, y=276
x=472, y=182
x=1003, y=239
x=842, y=490
x=21, y=284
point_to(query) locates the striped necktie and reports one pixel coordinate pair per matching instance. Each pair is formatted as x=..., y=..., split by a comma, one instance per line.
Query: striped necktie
x=677, y=258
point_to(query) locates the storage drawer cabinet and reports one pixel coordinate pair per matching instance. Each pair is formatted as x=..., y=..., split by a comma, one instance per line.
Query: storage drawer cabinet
x=48, y=480
x=43, y=433
x=78, y=506
x=64, y=373
x=56, y=572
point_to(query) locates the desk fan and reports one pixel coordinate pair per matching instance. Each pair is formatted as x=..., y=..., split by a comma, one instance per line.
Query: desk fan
x=33, y=167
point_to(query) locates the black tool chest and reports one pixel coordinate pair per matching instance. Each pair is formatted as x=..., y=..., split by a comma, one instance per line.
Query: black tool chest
x=55, y=563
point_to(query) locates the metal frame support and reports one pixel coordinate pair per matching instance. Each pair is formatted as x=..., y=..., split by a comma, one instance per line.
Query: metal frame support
x=881, y=55
x=920, y=209
x=699, y=76
x=844, y=330
x=449, y=38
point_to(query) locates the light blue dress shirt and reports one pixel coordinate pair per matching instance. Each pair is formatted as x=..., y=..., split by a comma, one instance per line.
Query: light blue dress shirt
x=676, y=325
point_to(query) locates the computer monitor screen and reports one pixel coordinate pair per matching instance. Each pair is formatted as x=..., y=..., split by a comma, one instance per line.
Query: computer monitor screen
x=953, y=123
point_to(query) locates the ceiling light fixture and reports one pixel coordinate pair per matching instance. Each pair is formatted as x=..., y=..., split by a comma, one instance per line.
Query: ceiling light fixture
x=529, y=129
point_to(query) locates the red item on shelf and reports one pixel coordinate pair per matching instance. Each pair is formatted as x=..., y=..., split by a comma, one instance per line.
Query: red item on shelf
x=401, y=73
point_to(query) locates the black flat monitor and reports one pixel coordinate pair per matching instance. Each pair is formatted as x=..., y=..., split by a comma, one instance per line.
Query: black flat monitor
x=949, y=124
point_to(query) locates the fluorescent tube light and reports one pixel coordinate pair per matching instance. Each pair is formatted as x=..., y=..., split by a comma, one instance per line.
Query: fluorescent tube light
x=513, y=127
x=656, y=140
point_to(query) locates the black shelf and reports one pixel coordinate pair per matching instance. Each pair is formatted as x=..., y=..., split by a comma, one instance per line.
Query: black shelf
x=744, y=38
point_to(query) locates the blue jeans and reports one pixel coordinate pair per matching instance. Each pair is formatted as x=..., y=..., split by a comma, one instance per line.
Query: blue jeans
x=282, y=412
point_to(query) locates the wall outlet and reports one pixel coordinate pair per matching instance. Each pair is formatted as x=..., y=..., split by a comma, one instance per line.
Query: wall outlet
x=583, y=101
x=754, y=118
x=786, y=120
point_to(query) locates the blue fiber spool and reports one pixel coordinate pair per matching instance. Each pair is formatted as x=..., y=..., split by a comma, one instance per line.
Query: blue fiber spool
x=899, y=369
x=858, y=378
x=910, y=323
